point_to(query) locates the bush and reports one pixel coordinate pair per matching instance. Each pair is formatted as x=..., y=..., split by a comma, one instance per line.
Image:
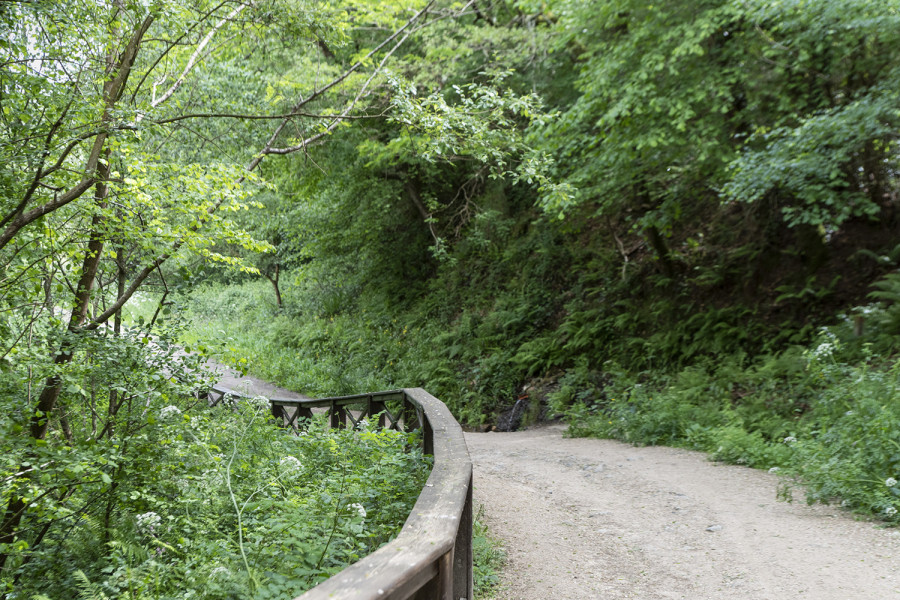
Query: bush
x=223, y=504
x=831, y=426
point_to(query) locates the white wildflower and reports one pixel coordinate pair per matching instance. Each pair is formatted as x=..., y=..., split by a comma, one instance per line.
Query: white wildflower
x=212, y=478
x=169, y=412
x=890, y=511
x=827, y=333
x=890, y=482
x=774, y=470
x=148, y=522
x=360, y=509
x=849, y=413
x=824, y=350
x=290, y=463
x=790, y=439
x=223, y=571
x=260, y=402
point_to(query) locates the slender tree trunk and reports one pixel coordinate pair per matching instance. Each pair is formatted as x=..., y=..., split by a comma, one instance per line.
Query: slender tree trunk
x=47, y=401
x=121, y=281
x=662, y=250
x=119, y=69
x=274, y=282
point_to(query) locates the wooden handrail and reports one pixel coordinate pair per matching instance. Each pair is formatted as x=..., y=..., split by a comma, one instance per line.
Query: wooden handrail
x=431, y=558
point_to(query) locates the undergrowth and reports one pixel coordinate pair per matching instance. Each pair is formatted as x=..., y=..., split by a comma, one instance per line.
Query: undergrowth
x=825, y=417
x=488, y=558
x=224, y=505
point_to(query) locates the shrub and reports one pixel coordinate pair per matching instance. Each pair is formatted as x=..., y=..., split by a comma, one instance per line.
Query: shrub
x=227, y=506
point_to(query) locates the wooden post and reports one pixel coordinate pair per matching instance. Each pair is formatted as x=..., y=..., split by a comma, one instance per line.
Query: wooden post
x=338, y=416
x=427, y=433
x=463, y=576
x=279, y=415
x=441, y=587
x=408, y=413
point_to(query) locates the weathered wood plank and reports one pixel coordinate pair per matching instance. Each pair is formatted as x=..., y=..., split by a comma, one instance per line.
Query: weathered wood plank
x=431, y=558
x=429, y=535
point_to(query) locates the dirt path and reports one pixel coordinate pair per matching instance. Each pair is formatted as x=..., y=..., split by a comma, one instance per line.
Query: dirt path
x=584, y=519
x=251, y=385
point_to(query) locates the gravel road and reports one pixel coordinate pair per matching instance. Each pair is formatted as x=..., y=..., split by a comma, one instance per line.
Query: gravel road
x=585, y=518
x=251, y=385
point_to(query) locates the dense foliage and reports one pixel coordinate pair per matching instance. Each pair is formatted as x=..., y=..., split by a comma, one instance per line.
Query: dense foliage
x=133, y=134
x=637, y=215
x=579, y=201
x=215, y=504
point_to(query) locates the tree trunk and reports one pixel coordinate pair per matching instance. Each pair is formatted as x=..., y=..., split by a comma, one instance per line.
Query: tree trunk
x=47, y=401
x=662, y=250
x=274, y=282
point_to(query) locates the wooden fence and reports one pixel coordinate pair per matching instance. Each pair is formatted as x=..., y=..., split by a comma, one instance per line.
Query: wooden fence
x=431, y=558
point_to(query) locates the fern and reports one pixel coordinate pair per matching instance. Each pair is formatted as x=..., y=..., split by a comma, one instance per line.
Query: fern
x=131, y=553
x=891, y=258
x=88, y=590
x=888, y=288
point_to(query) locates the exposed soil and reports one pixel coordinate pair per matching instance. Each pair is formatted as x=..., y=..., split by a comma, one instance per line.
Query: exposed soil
x=586, y=518
x=251, y=385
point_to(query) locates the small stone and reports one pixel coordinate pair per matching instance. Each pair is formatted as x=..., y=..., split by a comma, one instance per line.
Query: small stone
x=714, y=528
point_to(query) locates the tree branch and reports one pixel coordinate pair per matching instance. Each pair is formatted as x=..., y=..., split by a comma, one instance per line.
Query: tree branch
x=171, y=45
x=285, y=116
x=268, y=149
x=112, y=90
x=305, y=143
x=39, y=171
x=193, y=60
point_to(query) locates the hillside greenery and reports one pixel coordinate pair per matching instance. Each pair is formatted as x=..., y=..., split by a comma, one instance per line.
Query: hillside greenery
x=660, y=220
x=666, y=223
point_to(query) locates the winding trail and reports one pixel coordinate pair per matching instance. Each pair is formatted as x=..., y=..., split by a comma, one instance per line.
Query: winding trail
x=586, y=518
x=251, y=385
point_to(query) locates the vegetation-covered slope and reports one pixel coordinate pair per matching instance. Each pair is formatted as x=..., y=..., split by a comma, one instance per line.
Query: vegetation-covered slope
x=637, y=215
x=706, y=187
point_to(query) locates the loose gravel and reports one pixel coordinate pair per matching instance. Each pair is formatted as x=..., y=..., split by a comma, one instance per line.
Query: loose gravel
x=586, y=518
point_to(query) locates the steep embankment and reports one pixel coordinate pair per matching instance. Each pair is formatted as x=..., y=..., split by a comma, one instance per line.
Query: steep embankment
x=588, y=518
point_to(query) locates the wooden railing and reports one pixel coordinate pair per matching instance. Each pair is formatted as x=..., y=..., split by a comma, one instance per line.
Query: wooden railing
x=431, y=558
